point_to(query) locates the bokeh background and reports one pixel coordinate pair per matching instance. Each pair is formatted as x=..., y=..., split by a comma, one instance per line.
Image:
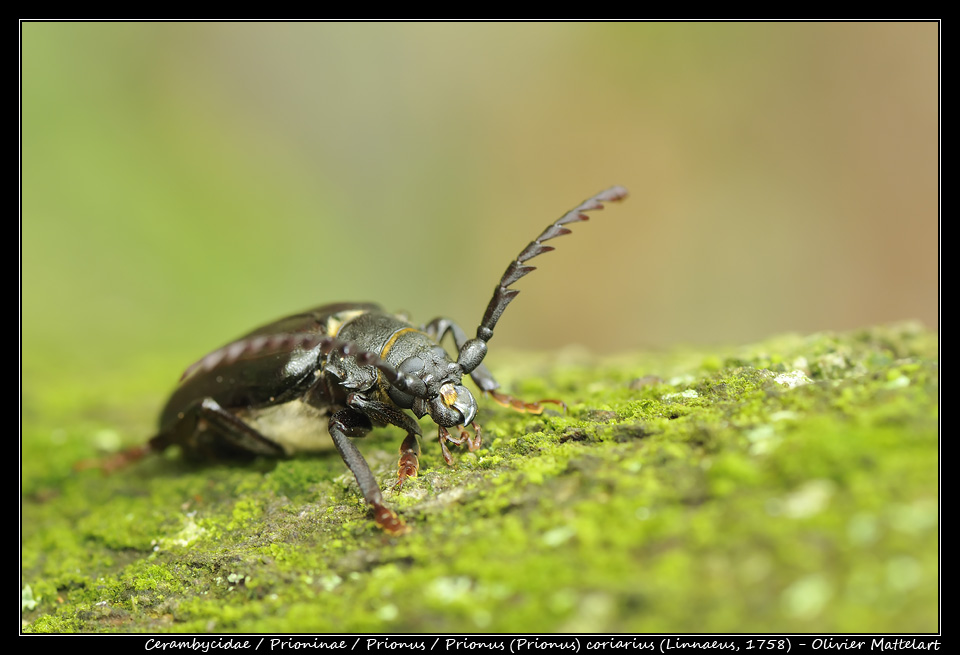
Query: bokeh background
x=185, y=182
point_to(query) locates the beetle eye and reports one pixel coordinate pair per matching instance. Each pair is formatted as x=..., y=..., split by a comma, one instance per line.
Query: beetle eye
x=411, y=365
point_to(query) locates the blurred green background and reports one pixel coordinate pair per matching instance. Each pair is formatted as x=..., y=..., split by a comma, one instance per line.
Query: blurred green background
x=183, y=183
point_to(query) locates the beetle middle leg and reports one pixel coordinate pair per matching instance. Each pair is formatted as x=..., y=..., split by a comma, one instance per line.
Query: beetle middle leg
x=205, y=429
x=521, y=406
x=409, y=464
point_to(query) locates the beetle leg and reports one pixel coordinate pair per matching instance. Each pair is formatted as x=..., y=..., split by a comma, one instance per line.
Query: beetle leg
x=208, y=430
x=409, y=464
x=204, y=429
x=379, y=412
x=473, y=443
x=476, y=442
x=116, y=461
x=521, y=406
x=205, y=425
x=383, y=413
x=444, y=437
x=348, y=423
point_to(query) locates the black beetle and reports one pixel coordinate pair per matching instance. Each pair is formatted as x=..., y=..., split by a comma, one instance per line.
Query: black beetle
x=345, y=367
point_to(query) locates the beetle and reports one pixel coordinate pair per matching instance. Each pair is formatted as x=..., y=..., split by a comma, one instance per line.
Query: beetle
x=343, y=369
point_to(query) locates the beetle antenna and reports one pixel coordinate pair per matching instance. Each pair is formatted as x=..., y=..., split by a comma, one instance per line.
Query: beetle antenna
x=474, y=350
x=266, y=344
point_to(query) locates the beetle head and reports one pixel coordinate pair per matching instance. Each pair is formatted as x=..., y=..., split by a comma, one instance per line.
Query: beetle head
x=434, y=388
x=453, y=405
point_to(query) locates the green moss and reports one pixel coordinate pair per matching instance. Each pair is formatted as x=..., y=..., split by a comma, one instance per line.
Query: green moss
x=787, y=486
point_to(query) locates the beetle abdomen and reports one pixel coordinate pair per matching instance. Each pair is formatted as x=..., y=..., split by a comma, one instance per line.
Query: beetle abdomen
x=294, y=426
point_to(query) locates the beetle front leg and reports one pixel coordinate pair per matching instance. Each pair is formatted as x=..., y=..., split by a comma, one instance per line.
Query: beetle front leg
x=409, y=464
x=473, y=443
x=343, y=425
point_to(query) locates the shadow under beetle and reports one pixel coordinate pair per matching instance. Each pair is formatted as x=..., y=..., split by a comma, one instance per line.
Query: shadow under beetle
x=347, y=367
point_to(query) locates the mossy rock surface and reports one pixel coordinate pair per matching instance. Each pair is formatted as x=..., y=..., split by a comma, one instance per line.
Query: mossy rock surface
x=791, y=485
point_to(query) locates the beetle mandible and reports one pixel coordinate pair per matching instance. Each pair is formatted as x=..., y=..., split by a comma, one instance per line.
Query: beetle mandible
x=347, y=367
